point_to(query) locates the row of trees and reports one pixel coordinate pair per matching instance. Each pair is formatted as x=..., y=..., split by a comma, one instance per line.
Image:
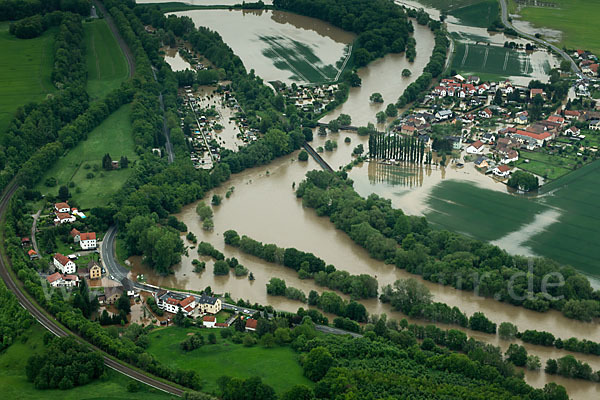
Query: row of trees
x=17, y=9
x=307, y=265
x=399, y=148
x=445, y=257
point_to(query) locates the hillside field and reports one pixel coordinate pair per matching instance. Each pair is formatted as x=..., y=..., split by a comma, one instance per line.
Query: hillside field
x=15, y=385
x=106, y=64
x=277, y=366
x=25, y=69
x=113, y=136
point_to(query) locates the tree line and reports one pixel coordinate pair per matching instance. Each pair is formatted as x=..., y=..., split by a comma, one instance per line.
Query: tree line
x=399, y=148
x=307, y=265
x=445, y=257
x=18, y=9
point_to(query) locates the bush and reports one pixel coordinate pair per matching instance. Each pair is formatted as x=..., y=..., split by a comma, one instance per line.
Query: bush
x=221, y=268
x=303, y=155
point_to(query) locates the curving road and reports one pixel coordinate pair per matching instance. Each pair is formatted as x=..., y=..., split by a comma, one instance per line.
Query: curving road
x=50, y=324
x=506, y=22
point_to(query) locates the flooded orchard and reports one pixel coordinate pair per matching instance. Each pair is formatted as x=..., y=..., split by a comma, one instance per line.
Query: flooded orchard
x=175, y=61
x=279, y=45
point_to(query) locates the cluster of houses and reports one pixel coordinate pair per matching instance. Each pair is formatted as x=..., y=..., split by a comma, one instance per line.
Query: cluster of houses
x=67, y=274
x=308, y=98
x=588, y=62
x=172, y=302
x=87, y=240
x=65, y=214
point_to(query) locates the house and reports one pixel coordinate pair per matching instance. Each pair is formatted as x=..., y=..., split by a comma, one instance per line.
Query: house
x=482, y=162
x=55, y=280
x=251, y=324
x=63, y=264
x=426, y=140
x=62, y=208
x=32, y=254
x=572, y=131
x=502, y=171
x=443, y=115
x=521, y=118
x=511, y=156
x=209, y=321
x=209, y=304
x=475, y=147
x=594, y=125
x=456, y=142
x=88, y=240
x=408, y=130
x=487, y=113
x=112, y=294
x=173, y=302
x=64, y=218
x=75, y=234
x=535, y=92
x=25, y=242
x=571, y=114
x=488, y=138
x=557, y=119
x=473, y=79
x=94, y=270
x=526, y=136
x=70, y=280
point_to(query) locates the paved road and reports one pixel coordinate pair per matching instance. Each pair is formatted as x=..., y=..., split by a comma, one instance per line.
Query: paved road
x=560, y=51
x=50, y=324
x=113, y=28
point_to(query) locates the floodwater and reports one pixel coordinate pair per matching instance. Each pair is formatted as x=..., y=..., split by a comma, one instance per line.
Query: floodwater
x=384, y=76
x=267, y=40
x=264, y=207
x=174, y=59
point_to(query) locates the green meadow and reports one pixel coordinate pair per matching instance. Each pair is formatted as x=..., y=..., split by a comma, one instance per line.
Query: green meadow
x=113, y=136
x=277, y=366
x=489, y=215
x=25, y=68
x=106, y=64
x=576, y=19
x=15, y=385
x=480, y=14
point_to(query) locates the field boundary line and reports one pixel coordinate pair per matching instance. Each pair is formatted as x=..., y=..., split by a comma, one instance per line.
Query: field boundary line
x=290, y=65
x=465, y=56
x=505, y=61
x=485, y=57
x=344, y=64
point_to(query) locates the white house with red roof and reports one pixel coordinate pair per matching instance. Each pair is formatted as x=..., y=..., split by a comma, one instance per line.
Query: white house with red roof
x=557, y=119
x=209, y=321
x=63, y=264
x=475, y=147
x=572, y=131
x=570, y=114
x=173, y=302
x=502, y=171
x=64, y=218
x=55, y=280
x=526, y=136
x=251, y=324
x=62, y=208
x=87, y=240
x=486, y=113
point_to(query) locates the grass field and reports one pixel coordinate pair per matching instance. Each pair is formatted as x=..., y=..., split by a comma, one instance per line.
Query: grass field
x=25, y=68
x=106, y=64
x=113, y=136
x=550, y=166
x=14, y=383
x=491, y=62
x=577, y=19
x=277, y=366
x=298, y=58
x=480, y=14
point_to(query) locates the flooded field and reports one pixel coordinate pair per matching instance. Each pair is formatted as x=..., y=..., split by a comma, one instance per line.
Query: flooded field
x=280, y=45
x=174, y=59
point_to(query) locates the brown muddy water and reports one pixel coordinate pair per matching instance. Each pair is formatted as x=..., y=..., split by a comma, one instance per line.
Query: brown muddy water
x=250, y=33
x=264, y=207
x=174, y=59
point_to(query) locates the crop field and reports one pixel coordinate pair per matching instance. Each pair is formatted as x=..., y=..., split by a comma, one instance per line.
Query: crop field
x=15, y=385
x=106, y=64
x=298, y=58
x=113, y=136
x=277, y=366
x=25, y=69
x=480, y=14
x=492, y=61
x=576, y=19
x=488, y=215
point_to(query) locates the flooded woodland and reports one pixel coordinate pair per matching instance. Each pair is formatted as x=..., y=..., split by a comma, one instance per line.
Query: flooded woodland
x=264, y=206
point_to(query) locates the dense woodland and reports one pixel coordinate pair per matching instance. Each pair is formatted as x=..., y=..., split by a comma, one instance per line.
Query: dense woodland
x=18, y=9
x=381, y=26
x=441, y=256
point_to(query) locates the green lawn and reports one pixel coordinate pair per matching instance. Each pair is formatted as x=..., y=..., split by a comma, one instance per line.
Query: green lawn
x=25, y=68
x=577, y=19
x=480, y=14
x=551, y=166
x=113, y=136
x=277, y=366
x=106, y=64
x=14, y=383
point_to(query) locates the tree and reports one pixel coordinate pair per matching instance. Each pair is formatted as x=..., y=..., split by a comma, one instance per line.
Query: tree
x=406, y=295
x=406, y=72
x=507, y=331
x=220, y=268
x=231, y=238
x=216, y=200
x=516, y=354
x=107, y=162
x=334, y=125
x=344, y=119
x=298, y=392
x=358, y=150
x=533, y=362
x=524, y=181
x=313, y=298
x=376, y=98
x=381, y=117
x=123, y=304
x=498, y=98
x=63, y=193
x=212, y=338
x=124, y=162
x=317, y=363
x=276, y=287
x=565, y=66
x=479, y=322
x=303, y=155
x=179, y=318
x=391, y=110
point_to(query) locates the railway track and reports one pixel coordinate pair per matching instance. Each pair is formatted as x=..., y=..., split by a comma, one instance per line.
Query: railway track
x=50, y=324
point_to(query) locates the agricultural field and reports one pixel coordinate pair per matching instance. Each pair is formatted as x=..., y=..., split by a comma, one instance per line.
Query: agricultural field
x=106, y=64
x=494, y=62
x=25, y=71
x=15, y=385
x=82, y=165
x=576, y=19
x=277, y=366
x=549, y=166
x=570, y=237
x=479, y=14
x=281, y=45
